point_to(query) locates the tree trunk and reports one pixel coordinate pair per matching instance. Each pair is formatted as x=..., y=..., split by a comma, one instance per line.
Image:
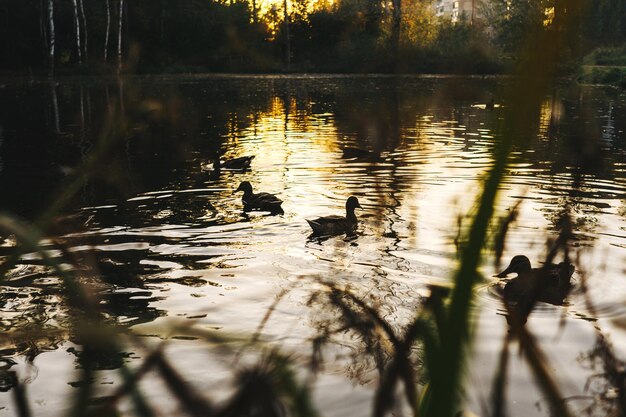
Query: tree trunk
x=472, y=15
x=119, y=37
x=287, y=40
x=51, y=37
x=254, y=12
x=77, y=27
x=395, y=32
x=106, y=35
x=559, y=14
x=82, y=15
x=55, y=106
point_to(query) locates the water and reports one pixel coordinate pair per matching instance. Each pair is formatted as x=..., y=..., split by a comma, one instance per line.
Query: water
x=173, y=245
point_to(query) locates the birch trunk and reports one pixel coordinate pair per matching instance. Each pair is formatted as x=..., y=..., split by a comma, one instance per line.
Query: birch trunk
x=119, y=37
x=51, y=37
x=106, y=36
x=77, y=27
x=84, y=20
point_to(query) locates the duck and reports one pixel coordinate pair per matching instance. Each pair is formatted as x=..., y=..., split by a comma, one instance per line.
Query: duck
x=236, y=164
x=550, y=283
x=260, y=201
x=337, y=225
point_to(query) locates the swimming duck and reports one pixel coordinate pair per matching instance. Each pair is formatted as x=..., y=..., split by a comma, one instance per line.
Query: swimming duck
x=236, y=164
x=550, y=283
x=336, y=225
x=260, y=201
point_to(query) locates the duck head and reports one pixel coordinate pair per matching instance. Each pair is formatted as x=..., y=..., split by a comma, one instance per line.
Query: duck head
x=245, y=186
x=352, y=203
x=519, y=264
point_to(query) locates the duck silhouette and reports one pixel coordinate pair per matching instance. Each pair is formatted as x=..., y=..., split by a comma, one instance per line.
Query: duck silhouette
x=337, y=225
x=235, y=164
x=259, y=201
x=550, y=283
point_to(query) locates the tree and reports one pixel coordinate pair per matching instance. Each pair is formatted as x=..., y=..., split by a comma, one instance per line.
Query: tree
x=77, y=32
x=119, y=37
x=395, y=31
x=287, y=37
x=108, y=30
x=51, y=37
x=84, y=25
x=607, y=22
x=516, y=22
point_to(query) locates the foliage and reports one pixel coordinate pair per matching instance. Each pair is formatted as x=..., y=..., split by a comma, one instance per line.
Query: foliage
x=615, y=76
x=607, y=56
x=516, y=23
x=464, y=48
x=343, y=36
x=606, y=24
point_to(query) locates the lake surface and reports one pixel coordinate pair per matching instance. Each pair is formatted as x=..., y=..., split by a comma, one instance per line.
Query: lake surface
x=174, y=247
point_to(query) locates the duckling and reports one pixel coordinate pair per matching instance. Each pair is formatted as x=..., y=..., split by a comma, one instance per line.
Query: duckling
x=336, y=225
x=550, y=283
x=260, y=201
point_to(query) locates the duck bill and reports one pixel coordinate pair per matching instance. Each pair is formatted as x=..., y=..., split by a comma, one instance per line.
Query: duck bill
x=504, y=273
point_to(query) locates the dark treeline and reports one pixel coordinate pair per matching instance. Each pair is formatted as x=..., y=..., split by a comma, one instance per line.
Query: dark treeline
x=104, y=36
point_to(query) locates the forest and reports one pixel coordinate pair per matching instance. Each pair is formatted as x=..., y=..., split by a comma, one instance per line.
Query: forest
x=348, y=36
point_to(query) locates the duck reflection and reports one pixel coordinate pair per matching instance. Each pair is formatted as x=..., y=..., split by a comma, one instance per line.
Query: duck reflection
x=97, y=358
x=136, y=307
x=8, y=378
x=358, y=153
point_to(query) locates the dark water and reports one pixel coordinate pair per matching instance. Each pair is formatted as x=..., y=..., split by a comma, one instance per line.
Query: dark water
x=173, y=246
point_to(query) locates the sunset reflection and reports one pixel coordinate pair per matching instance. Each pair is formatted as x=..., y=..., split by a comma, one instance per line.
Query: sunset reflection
x=179, y=246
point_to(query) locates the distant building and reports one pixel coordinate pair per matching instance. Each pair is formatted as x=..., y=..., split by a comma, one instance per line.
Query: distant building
x=455, y=9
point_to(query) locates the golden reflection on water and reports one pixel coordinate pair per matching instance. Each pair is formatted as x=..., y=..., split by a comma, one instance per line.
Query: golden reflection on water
x=183, y=250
